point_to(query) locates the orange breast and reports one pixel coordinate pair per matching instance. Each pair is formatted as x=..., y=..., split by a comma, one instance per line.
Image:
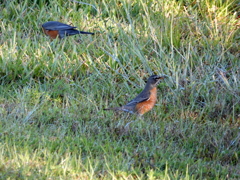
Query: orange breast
x=52, y=34
x=146, y=106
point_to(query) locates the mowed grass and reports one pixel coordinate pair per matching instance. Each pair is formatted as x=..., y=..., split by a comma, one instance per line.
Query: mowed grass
x=52, y=122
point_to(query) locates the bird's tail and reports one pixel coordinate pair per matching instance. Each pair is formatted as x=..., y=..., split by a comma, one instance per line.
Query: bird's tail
x=122, y=108
x=71, y=32
x=83, y=32
x=114, y=109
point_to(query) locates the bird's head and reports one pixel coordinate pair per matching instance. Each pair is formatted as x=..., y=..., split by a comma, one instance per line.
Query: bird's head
x=154, y=80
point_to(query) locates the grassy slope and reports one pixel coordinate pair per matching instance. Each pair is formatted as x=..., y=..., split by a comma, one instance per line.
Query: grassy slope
x=52, y=92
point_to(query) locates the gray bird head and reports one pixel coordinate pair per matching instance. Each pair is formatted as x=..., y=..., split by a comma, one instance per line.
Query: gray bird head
x=154, y=80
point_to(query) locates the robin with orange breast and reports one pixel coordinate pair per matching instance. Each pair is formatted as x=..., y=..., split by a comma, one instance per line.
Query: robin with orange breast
x=56, y=29
x=146, y=100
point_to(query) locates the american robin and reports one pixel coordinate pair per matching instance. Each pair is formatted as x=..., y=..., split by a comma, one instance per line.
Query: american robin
x=55, y=28
x=146, y=100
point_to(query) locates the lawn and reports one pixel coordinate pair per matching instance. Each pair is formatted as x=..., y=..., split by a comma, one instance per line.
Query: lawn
x=53, y=92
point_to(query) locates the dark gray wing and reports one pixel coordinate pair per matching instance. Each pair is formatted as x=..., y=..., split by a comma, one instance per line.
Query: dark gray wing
x=143, y=96
x=55, y=25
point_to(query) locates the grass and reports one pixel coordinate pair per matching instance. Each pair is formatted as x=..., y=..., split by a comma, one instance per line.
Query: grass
x=52, y=123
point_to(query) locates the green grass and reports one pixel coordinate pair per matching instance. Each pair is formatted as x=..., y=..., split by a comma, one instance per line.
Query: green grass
x=52, y=123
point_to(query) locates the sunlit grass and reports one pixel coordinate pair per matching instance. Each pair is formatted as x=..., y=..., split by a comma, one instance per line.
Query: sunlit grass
x=52, y=123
